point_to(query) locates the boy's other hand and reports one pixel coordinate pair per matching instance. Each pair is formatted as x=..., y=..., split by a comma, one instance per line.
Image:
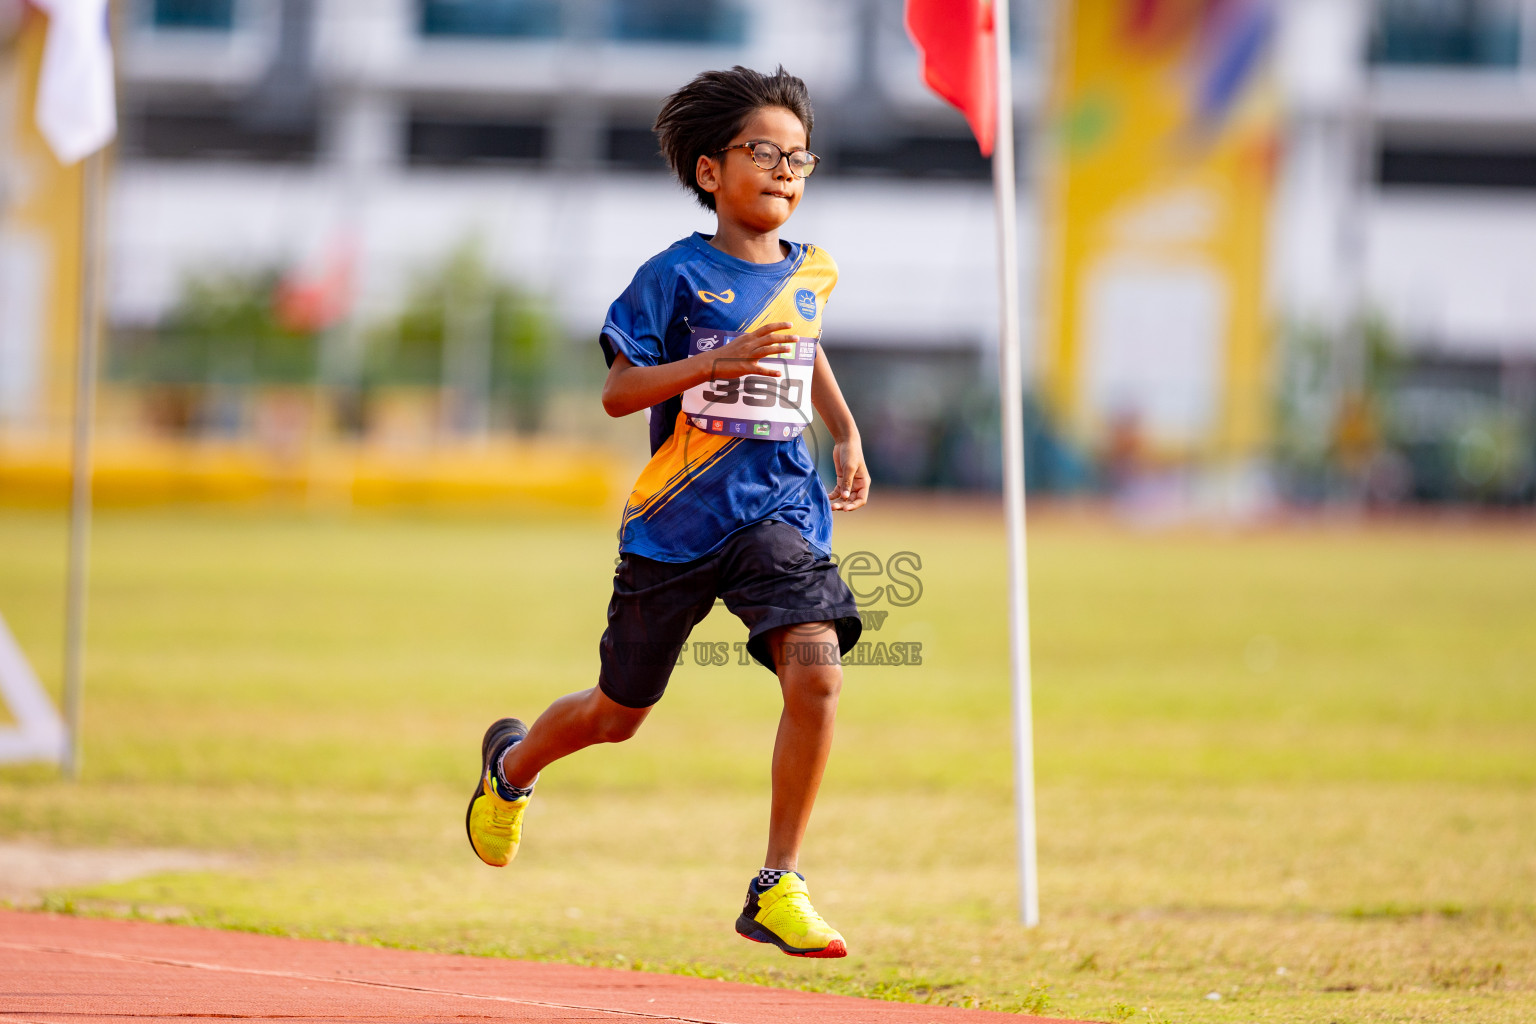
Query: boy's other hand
x=852, y=488
x=739, y=357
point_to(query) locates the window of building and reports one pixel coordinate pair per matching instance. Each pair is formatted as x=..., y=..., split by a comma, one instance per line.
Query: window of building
x=640, y=21
x=506, y=18
x=633, y=147
x=1445, y=167
x=209, y=131
x=1454, y=33
x=678, y=21
x=914, y=156
x=206, y=15
x=450, y=140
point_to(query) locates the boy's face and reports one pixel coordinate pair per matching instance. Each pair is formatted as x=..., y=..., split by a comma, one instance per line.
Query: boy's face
x=746, y=195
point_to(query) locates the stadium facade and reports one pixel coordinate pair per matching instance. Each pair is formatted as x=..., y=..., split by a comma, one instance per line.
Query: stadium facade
x=280, y=132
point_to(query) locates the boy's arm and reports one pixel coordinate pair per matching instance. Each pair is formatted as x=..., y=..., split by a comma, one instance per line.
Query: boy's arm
x=852, y=488
x=630, y=388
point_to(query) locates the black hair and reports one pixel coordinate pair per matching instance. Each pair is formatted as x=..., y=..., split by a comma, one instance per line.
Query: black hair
x=701, y=117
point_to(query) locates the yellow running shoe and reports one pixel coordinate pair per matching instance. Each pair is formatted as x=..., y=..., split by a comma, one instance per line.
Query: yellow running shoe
x=494, y=823
x=783, y=915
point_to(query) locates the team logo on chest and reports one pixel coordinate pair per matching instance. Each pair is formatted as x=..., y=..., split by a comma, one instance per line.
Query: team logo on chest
x=727, y=296
x=805, y=301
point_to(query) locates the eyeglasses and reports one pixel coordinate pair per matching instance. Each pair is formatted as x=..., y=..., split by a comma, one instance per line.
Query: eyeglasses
x=767, y=156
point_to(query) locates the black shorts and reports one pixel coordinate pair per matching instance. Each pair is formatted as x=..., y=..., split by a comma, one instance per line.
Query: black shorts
x=768, y=576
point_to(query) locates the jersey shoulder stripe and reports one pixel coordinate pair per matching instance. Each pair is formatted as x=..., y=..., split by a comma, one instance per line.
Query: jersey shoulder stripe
x=772, y=294
x=815, y=272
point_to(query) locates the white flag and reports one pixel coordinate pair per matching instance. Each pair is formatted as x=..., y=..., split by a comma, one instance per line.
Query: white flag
x=76, y=103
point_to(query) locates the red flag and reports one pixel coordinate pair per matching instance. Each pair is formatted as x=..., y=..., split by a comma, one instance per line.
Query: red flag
x=310, y=303
x=958, y=44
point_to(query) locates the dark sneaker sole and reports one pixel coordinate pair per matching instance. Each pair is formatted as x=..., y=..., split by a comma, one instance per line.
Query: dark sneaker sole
x=754, y=932
x=499, y=731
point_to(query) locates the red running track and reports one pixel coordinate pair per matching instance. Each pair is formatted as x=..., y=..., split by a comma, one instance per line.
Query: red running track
x=68, y=970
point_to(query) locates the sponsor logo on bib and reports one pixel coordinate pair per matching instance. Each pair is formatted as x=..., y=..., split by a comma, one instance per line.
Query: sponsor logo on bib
x=805, y=301
x=705, y=344
x=761, y=429
x=727, y=296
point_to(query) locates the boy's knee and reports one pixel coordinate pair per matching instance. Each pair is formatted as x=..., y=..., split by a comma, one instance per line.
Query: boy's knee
x=815, y=683
x=807, y=652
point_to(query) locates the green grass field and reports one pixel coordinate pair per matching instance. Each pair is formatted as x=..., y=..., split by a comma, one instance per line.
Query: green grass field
x=1285, y=775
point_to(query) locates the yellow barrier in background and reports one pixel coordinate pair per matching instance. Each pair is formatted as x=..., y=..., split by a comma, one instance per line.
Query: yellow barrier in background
x=501, y=474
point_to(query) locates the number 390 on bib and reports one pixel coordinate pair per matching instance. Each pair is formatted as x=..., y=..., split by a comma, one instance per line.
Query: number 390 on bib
x=767, y=408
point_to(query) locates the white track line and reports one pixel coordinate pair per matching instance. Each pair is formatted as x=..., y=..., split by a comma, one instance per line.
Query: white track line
x=298, y=976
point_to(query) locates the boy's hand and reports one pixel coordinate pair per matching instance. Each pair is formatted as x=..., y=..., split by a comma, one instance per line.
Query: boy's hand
x=852, y=488
x=739, y=357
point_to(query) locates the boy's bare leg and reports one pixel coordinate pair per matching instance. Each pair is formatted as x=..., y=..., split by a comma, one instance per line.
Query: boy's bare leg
x=810, y=688
x=574, y=721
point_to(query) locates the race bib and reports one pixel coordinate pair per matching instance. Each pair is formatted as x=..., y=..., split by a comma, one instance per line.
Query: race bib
x=769, y=408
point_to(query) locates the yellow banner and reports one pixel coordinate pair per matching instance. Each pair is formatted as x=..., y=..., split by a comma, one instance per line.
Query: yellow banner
x=1157, y=200
x=40, y=262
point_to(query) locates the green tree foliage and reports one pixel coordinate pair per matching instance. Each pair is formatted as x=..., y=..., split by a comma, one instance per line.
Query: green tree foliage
x=462, y=293
x=223, y=330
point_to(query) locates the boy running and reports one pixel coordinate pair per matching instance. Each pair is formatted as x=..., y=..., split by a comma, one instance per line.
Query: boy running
x=718, y=338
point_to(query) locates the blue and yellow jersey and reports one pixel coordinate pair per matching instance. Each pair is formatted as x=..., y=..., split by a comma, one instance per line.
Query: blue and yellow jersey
x=700, y=487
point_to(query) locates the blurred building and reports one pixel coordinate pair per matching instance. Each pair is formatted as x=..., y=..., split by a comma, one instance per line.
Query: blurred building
x=1407, y=206
x=262, y=132
x=279, y=133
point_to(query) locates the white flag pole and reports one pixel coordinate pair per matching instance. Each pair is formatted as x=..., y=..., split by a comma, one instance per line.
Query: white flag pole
x=77, y=115
x=80, y=465
x=1010, y=381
